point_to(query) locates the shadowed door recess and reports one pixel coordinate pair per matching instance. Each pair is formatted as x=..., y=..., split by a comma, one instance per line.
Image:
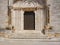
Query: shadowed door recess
x=29, y=20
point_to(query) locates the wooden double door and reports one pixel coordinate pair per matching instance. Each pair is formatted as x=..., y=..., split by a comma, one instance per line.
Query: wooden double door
x=29, y=20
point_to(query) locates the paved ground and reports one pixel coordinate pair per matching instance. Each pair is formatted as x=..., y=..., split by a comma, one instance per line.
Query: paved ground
x=54, y=41
x=27, y=42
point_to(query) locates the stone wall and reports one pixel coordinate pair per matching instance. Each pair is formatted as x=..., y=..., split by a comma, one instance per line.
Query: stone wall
x=3, y=13
x=54, y=14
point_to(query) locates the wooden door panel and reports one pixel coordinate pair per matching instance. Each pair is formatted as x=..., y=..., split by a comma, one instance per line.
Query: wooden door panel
x=29, y=20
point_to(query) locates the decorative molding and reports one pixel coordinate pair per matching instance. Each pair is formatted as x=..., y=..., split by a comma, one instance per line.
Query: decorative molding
x=27, y=8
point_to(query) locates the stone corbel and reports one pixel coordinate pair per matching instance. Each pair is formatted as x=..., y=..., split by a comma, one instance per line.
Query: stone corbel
x=46, y=28
x=8, y=27
x=13, y=29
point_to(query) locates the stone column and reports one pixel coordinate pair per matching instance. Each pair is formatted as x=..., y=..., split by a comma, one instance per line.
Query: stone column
x=22, y=20
x=13, y=17
x=39, y=19
x=42, y=19
x=17, y=19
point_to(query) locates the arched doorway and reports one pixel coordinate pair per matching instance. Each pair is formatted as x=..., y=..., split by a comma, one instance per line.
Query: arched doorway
x=29, y=20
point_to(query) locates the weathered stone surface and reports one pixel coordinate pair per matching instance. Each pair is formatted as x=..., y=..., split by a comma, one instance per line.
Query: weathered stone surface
x=28, y=42
x=55, y=14
x=3, y=13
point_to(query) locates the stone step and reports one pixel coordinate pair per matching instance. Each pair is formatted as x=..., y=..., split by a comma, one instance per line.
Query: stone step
x=28, y=36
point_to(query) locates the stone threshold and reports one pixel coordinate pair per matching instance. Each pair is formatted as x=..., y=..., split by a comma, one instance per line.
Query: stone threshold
x=37, y=40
